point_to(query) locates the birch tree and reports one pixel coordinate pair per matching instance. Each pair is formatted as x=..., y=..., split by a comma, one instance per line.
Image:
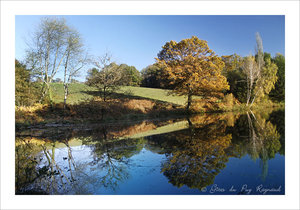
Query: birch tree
x=47, y=51
x=260, y=74
x=251, y=71
x=75, y=59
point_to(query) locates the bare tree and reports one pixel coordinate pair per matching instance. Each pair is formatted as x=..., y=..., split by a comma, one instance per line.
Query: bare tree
x=109, y=77
x=251, y=71
x=259, y=50
x=48, y=50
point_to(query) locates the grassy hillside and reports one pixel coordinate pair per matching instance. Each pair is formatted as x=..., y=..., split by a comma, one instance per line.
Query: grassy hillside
x=81, y=92
x=154, y=93
x=77, y=93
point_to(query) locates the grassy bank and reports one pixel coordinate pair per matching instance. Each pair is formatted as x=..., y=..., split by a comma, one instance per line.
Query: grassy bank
x=127, y=103
x=85, y=105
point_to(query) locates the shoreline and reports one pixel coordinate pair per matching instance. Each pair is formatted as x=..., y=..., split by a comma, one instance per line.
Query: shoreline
x=58, y=117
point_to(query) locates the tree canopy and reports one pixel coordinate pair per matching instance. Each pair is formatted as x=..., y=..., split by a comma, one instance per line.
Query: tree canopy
x=108, y=78
x=235, y=76
x=54, y=45
x=131, y=76
x=192, y=68
x=278, y=93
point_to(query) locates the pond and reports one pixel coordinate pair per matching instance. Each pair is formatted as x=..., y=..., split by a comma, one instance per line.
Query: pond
x=207, y=154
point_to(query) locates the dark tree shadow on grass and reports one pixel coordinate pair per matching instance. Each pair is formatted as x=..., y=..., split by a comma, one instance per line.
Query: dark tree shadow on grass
x=127, y=95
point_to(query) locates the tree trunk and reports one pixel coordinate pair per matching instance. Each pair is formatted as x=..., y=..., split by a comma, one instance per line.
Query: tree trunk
x=65, y=81
x=255, y=96
x=44, y=92
x=66, y=91
x=43, y=95
x=50, y=95
x=189, y=102
x=248, y=97
x=249, y=91
x=104, y=94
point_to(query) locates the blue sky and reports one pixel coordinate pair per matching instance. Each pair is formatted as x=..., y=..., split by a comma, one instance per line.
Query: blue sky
x=136, y=40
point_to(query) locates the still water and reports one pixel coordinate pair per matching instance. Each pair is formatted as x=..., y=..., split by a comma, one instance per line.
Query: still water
x=203, y=154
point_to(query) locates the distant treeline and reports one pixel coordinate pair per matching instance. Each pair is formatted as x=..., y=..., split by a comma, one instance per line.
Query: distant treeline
x=233, y=71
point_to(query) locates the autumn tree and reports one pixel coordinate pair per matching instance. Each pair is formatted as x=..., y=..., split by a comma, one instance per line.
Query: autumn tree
x=192, y=68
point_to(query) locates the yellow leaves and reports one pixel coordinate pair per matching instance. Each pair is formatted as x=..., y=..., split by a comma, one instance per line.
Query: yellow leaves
x=192, y=66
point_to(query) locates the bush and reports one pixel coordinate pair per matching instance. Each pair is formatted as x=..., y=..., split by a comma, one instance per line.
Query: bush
x=26, y=92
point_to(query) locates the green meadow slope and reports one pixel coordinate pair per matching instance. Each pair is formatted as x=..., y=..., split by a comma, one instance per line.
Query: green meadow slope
x=80, y=92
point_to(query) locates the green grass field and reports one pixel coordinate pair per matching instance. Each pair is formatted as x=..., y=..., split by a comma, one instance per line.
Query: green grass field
x=80, y=92
x=155, y=94
x=77, y=93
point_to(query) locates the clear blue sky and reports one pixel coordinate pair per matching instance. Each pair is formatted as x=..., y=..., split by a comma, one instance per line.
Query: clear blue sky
x=136, y=40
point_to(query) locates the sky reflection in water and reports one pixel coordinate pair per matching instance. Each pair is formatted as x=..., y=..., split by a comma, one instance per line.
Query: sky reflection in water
x=204, y=154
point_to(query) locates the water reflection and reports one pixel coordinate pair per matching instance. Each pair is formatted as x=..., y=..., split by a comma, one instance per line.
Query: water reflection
x=198, y=153
x=257, y=137
x=104, y=159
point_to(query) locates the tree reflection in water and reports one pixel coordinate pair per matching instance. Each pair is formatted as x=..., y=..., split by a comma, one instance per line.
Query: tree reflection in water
x=88, y=161
x=198, y=153
x=26, y=160
x=263, y=140
x=112, y=158
x=50, y=174
x=105, y=166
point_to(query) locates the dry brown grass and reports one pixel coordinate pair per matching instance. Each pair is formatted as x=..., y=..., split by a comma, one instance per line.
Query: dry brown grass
x=140, y=105
x=95, y=109
x=28, y=114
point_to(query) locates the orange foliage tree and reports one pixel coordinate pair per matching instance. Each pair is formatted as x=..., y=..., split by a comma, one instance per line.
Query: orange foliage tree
x=192, y=68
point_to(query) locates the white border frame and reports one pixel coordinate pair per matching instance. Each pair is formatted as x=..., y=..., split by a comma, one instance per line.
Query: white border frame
x=11, y=8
